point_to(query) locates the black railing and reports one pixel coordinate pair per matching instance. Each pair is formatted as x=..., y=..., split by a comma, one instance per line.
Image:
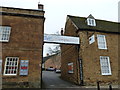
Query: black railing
x=98, y=86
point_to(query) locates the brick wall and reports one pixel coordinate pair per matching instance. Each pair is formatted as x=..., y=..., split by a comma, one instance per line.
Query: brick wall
x=26, y=43
x=90, y=55
x=54, y=61
x=69, y=54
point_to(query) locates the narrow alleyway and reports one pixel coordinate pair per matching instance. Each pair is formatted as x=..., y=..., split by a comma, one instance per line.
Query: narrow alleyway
x=53, y=80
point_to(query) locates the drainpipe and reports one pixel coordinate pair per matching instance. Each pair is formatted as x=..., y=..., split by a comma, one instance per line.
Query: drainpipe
x=81, y=72
x=80, y=67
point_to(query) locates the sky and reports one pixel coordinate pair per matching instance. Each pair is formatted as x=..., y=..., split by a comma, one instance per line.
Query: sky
x=56, y=11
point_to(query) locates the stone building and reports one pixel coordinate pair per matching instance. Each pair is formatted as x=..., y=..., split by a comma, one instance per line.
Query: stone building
x=96, y=57
x=21, y=40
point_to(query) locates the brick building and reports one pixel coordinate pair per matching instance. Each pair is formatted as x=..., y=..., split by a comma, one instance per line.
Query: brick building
x=52, y=61
x=21, y=40
x=96, y=58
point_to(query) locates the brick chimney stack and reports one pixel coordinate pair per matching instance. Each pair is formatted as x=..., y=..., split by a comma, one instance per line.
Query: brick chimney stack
x=61, y=31
x=40, y=6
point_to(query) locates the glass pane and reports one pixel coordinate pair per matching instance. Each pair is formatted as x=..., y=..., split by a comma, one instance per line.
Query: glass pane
x=4, y=33
x=11, y=65
x=6, y=71
x=10, y=59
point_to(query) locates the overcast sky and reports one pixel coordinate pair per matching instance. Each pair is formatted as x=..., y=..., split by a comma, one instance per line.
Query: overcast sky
x=57, y=10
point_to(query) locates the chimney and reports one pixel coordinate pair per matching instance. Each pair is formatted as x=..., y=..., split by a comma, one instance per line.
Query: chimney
x=40, y=6
x=61, y=31
x=47, y=54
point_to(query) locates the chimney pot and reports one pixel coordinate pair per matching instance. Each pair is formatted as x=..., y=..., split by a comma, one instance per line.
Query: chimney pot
x=40, y=6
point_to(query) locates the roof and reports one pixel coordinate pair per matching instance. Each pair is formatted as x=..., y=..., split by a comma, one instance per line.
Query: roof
x=37, y=10
x=90, y=16
x=101, y=25
x=49, y=56
x=11, y=11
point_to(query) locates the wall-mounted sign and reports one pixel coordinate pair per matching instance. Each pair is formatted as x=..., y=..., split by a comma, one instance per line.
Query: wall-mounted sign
x=0, y=66
x=24, y=67
x=49, y=38
x=70, y=67
x=92, y=39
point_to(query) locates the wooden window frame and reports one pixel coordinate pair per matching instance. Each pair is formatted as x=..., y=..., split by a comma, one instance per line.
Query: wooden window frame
x=101, y=42
x=5, y=33
x=91, y=22
x=105, y=65
x=10, y=61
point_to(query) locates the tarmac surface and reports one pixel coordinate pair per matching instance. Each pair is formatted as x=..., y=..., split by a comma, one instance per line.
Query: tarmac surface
x=52, y=81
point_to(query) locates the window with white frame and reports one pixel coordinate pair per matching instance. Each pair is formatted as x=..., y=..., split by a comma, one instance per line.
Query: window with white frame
x=4, y=33
x=101, y=42
x=91, y=22
x=11, y=66
x=105, y=65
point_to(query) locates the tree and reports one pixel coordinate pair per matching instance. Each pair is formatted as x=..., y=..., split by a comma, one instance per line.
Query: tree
x=54, y=50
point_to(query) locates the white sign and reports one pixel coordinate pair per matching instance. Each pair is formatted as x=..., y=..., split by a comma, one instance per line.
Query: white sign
x=92, y=39
x=70, y=67
x=24, y=67
x=49, y=38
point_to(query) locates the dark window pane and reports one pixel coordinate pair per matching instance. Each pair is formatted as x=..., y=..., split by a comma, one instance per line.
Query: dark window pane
x=6, y=72
x=14, y=71
x=7, y=63
x=15, y=63
x=10, y=59
x=6, y=67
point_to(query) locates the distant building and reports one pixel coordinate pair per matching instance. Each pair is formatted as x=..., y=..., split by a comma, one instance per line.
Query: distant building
x=52, y=61
x=21, y=38
x=96, y=58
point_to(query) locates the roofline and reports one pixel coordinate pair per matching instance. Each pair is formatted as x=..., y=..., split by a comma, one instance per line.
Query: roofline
x=22, y=15
x=95, y=18
x=85, y=29
x=52, y=55
x=39, y=10
x=97, y=30
x=49, y=56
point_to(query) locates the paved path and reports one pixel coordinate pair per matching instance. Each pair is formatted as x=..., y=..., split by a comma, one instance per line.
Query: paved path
x=53, y=80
